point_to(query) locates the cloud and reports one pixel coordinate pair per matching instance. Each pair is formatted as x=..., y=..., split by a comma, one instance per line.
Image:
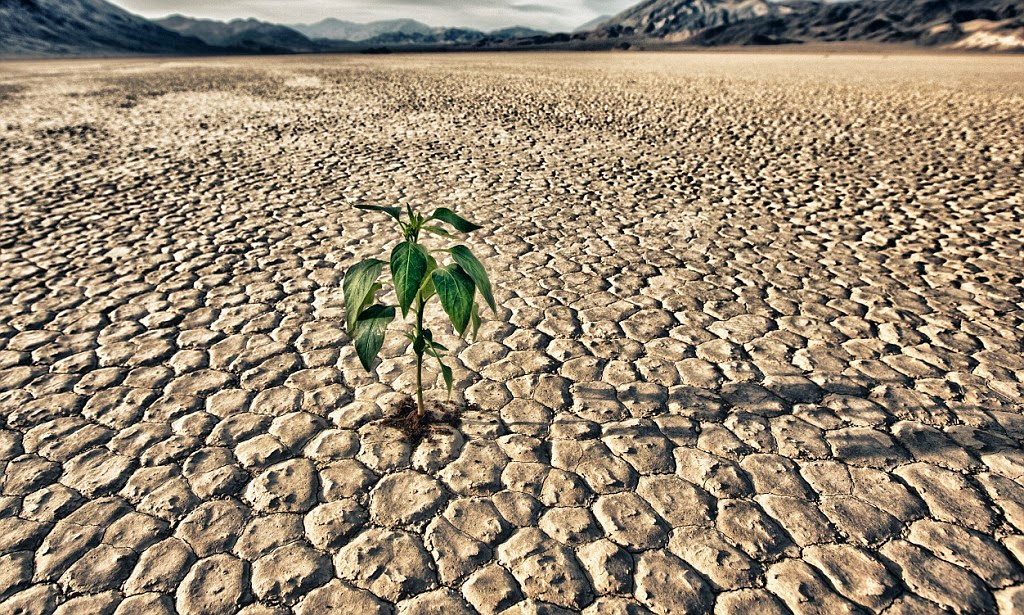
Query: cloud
x=539, y=8
x=606, y=7
x=484, y=14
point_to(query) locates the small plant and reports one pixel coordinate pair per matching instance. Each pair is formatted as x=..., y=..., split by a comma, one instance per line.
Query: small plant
x=417, y=277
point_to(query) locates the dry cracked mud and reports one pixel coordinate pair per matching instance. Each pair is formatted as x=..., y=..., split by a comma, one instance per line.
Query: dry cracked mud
x=759, y=346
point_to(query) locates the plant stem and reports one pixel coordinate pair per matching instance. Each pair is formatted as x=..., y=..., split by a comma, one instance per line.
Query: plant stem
x=419, y=386
x=419, y=358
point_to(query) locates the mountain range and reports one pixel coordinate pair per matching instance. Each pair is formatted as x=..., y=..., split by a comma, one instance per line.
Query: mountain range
x=96, y=27
x=339, y=30
x=85, y=27
x=971, y=24
x=404, y=30
x=248, y=35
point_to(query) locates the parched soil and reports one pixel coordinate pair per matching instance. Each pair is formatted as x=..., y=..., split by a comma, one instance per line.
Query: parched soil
x=758, y=346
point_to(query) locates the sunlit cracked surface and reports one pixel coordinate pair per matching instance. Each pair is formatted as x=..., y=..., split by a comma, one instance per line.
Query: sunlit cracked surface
x=759, y=346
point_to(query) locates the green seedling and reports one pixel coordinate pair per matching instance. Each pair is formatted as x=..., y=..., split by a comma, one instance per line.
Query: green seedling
x=417, y=277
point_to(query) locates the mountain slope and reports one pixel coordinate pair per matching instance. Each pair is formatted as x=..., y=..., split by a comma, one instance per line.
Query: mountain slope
x=925, y=22
x=241, y=34
x=678, y=20
x=84, y=27
x=592, y=25
x=995, y=24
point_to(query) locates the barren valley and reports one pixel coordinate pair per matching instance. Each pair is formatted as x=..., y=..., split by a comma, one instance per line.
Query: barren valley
x=758, y=346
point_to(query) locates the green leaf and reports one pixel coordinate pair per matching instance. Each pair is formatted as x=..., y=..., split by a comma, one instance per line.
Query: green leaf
x=369, y=332
x=408, y=269
x=437, y=230
x=359, y=287
x=427, y=288
x=427, y=291
x=455, y=289
x=476, y=270
x=394, y=212
x=446, y=373
x=370, y=296
x=446, y=215
x=435, y=348
x=474, y=320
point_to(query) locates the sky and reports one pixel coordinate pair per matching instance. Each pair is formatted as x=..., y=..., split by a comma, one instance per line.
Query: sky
x=551, y=15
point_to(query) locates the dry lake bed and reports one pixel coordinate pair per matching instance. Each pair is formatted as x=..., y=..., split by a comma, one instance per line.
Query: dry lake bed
x=758, y=346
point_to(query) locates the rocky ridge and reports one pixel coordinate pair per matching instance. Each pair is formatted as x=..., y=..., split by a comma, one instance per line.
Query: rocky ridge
x=965, y=24
x=85, y=27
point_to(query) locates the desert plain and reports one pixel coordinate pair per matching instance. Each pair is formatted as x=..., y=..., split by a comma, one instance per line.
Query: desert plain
x=758, y=346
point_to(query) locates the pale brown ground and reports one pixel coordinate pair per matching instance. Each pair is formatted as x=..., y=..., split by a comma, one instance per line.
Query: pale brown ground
x=759, y=346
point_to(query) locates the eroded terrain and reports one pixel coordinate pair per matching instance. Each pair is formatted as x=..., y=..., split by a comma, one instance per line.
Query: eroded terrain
x=759, y=346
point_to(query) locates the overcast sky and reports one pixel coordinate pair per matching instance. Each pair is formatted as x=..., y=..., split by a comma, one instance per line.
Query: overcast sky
x=552, y=15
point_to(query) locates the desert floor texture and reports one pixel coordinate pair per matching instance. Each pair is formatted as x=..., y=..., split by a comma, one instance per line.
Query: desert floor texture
x=759, y=346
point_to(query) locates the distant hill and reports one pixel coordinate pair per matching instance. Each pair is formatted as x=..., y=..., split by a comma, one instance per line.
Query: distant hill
x=339, y=30
x=436, y=36
x=249, y=35
x=969, y=24
x=516, y=32
x=85, y=27
x=407, y=32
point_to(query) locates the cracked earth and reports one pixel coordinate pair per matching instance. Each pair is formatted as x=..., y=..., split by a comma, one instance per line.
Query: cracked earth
x=759, y=345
